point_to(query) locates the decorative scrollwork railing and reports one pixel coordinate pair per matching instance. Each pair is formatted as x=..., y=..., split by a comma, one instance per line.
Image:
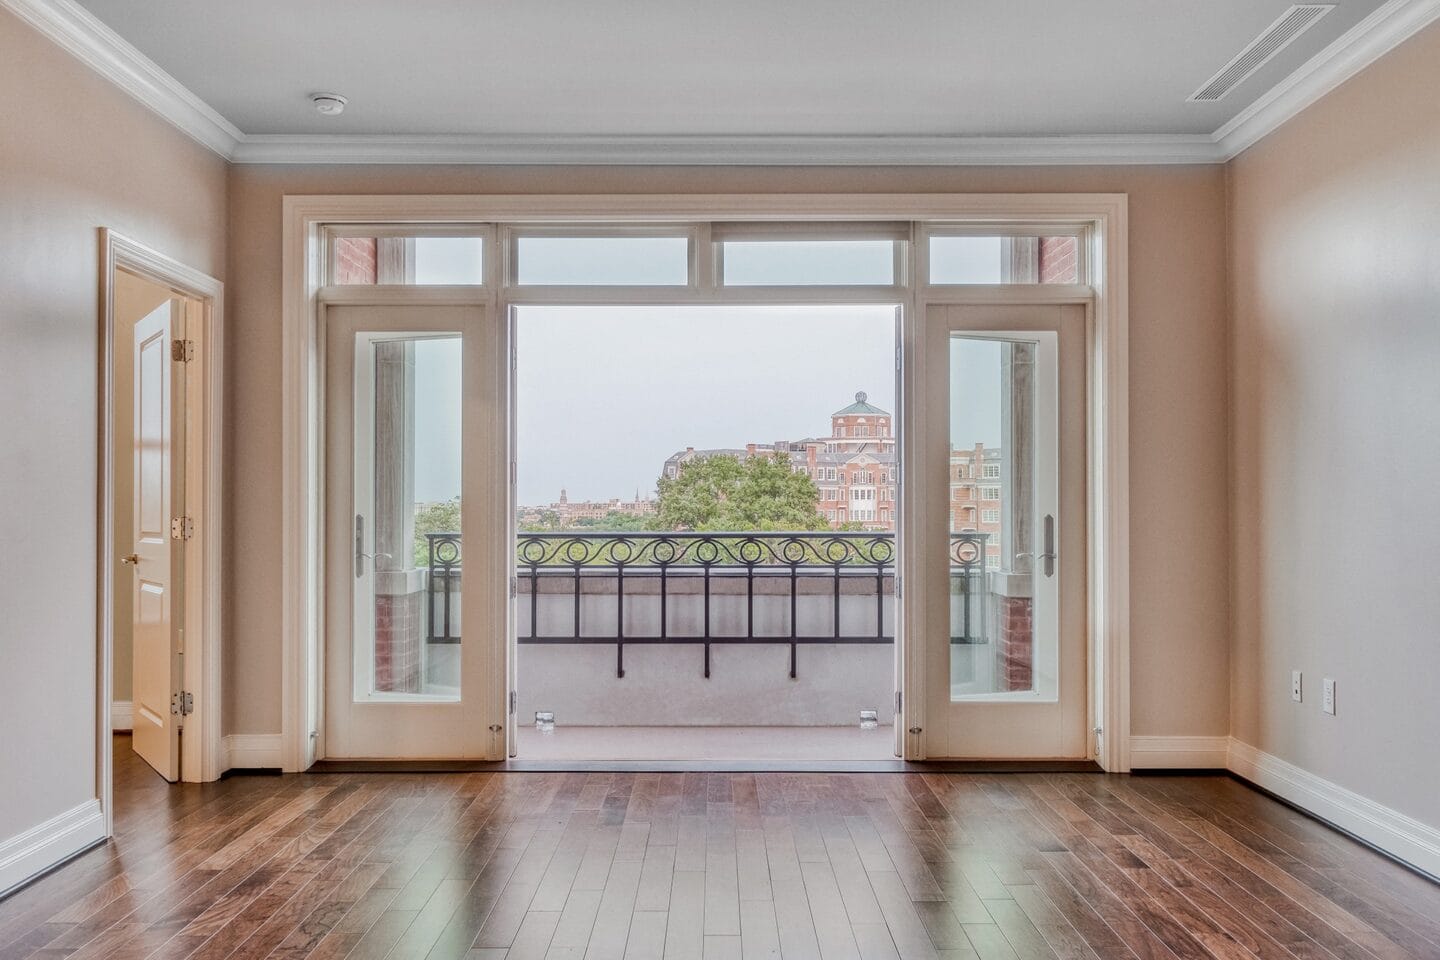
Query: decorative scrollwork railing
x=665, y=566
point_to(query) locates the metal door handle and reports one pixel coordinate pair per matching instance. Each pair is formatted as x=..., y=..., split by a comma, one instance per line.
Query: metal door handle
x=1049, y=555
x=360, y=555
x=132, y=558
x=359, y=546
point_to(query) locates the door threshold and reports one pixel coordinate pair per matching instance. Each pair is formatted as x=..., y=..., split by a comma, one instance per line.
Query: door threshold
x=704, y=766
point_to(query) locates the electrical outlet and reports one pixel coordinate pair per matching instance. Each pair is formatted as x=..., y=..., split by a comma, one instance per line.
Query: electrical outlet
x=1295, y=688
x=1327, y=696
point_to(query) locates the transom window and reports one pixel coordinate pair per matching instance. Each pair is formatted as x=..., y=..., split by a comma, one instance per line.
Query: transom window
x=378, y=256
x=870, y=257
x=1036, y=255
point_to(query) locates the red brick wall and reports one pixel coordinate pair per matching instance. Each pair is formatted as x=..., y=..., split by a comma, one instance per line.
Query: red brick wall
x=399, y=628
x=1059, y=260
x=356, y=260
x=1017, y=644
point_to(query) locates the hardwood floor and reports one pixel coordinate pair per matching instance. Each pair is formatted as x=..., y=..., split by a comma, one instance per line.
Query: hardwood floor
x=591, y=866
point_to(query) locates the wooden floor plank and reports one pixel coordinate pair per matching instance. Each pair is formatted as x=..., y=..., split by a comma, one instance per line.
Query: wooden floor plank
x=726, y=866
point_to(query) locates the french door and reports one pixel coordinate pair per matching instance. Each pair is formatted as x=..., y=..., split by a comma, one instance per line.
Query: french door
x=1000, y=533
x=413, y=587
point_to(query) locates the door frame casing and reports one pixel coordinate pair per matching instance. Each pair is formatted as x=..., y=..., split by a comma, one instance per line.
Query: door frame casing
x=202, y=749
x=1103, y=216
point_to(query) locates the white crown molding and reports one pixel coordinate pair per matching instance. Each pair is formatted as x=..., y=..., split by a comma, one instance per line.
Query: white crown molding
x=1386, y=28
x=80, y=33
x=84, y=36
x=1390, y=830
x=729, y=151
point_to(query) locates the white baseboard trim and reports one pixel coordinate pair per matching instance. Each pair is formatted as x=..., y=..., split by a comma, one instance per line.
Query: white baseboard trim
x=122, y=716
x=1179, y=753
x=1392, y=831
x=43, y=846
x=251, y=751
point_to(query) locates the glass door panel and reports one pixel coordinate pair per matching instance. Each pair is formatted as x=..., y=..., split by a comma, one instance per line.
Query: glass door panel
x=407, y=521
x=1003, y=533
x=1003, y=629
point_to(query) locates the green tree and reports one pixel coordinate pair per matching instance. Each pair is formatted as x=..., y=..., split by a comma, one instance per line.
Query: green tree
x=724, y=492
x=442, y=517
x=616, y=520
x=546, y=521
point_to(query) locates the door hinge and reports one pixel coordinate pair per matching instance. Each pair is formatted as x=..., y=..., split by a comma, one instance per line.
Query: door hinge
x=514, y=587
x=182, y=704
x=512, y=703
x=182, y=528
x=899, y=702
x=182, y=351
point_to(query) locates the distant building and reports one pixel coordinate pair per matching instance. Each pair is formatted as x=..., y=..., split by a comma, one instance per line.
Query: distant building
x=566, y=511
x=975, y=496
x=854, y=468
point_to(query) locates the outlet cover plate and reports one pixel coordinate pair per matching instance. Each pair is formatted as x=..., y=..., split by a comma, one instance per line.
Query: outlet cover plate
x=1296, y=689
x=1327, y=696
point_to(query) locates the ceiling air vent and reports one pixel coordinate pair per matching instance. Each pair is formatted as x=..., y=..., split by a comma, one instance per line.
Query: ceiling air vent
x=1276, y=37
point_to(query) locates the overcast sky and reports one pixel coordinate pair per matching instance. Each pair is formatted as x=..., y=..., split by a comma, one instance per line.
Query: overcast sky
x=605, y=394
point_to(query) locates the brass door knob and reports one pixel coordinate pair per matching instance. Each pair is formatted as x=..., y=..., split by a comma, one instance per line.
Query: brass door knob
x=133, y=558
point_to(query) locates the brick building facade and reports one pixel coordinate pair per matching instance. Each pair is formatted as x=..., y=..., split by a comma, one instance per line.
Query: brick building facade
x=855, y=470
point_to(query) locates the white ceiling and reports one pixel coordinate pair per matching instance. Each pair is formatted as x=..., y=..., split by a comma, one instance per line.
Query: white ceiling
x=922, y=68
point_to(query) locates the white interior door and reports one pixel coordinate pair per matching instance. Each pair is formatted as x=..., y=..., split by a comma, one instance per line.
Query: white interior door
x=411, y=523
x=158, y=434
x=1002, y=533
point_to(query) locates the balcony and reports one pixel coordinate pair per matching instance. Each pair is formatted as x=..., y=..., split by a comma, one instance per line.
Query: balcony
x=713, y=629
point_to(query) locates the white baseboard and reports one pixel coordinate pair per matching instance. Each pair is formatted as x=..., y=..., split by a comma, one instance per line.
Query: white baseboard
x=41, y=847
x=251, y=751
x=1390, y=830
x=1179, y=753
x=122, y=713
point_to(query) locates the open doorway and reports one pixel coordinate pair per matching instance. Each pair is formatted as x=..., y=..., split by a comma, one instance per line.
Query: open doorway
x=159, y=546
x=706, y=502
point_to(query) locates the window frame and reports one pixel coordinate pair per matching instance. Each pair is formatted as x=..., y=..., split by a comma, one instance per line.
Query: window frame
x=512, y=234
x=484, y=232
x=899, y=233
x=1104, y=215
x=1083, y=233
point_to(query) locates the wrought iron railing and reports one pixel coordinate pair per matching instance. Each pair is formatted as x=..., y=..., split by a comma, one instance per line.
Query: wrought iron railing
x=664, y=559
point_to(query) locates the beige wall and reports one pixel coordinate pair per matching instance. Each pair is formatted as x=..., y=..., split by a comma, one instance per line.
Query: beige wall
x=75, y=155
x=135, y=299
x=1177, y=350
x=1335, y=267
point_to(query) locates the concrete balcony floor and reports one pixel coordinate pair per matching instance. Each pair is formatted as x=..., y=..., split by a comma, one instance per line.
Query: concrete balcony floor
x=723, y=744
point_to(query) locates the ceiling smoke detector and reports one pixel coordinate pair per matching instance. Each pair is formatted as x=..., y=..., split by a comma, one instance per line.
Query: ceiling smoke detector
x=329, y=104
